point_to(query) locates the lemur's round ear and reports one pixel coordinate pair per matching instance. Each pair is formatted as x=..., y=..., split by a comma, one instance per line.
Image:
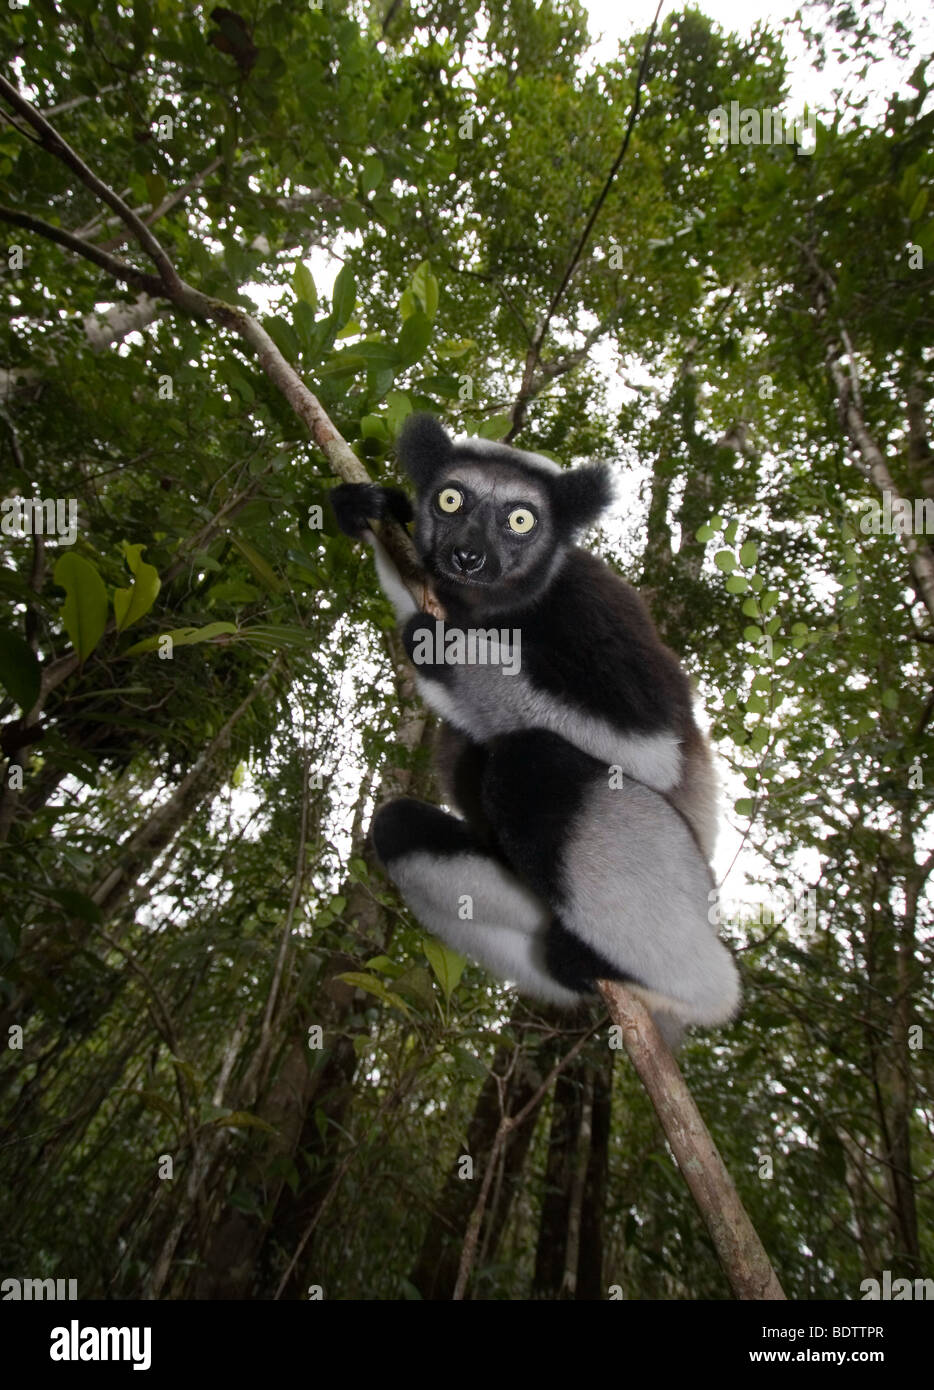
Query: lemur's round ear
x=581, y=494
x=424, y=448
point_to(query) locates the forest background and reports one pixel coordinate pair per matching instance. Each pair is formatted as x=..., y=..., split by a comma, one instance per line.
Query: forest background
x=230, y=1064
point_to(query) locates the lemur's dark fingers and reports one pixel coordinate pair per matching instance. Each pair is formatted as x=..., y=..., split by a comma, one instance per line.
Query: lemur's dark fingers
x=357, y=504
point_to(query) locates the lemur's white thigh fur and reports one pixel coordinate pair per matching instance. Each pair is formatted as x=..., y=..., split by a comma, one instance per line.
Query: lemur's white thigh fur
x=505, y=932
x=637, y=891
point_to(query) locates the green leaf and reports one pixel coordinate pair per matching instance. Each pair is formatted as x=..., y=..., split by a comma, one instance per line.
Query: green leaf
x=416, y=984
x=495, y=427
x=387, y=966
x=918, y=205
x=408, y=305
x=235, y=591
x=153, y=1101
x=132, y=604
x=455, y=347
x=303, y=283
x=890, y=698
x=371, y=175
x=737, y=584
x=276, y=635
x=756, y=705
x=371, y=985
x=84, y=611
x=414, y=338
x=731, y=531
x=748, y=554
x=744, y=806
x=425, y=288
x=20, y=671
x=704, y=533
x=183, y=637
x=725, y=560
x=258, y=564
x=373, y=427
x=242, y=1119
x=398, y=407
x=447, y=964
x=155, y=187
x=344, y=297
x=283, y=335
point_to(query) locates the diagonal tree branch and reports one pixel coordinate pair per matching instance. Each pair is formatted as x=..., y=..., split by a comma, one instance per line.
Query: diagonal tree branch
x=169, y=284
x=739, y=1248
x=870, y=458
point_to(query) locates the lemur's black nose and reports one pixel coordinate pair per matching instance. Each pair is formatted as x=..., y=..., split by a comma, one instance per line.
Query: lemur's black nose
x=468, y=560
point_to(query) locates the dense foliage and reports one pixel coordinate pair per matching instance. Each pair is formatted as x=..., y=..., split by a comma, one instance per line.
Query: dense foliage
x=230, y=1064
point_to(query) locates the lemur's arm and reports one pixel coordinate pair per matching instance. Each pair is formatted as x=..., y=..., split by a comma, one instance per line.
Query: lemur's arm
x=355, y=505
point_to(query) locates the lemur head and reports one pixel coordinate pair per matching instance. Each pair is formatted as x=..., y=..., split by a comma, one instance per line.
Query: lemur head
x=493, y=524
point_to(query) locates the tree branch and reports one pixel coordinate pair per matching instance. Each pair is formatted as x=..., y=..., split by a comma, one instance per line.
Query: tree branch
x=120, y=270
x=739, y=1248
x=55, y=144
x=169, y=285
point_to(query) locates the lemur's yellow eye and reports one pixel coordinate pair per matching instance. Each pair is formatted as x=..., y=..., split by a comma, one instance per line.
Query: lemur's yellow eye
x=450, y=500
x=521, y=520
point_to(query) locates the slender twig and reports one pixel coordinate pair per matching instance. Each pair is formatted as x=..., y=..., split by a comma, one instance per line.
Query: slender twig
x=534, y=354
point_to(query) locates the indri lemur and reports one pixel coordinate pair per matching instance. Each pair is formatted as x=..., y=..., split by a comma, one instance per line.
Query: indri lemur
x=585, y=785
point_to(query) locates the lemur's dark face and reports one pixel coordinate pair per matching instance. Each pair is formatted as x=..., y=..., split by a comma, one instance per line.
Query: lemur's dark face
x=485, y=531
x=493, y=524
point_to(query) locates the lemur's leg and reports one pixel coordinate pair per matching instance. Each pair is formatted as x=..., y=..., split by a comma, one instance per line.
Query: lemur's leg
x=466, y=897
x=621, y=870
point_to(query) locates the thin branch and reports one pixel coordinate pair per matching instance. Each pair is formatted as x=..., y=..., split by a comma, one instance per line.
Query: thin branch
x=55, y=144
x=120, y=270
x=507, y=1124
x=73, y=102
x=534, y=354
x=170, y=201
